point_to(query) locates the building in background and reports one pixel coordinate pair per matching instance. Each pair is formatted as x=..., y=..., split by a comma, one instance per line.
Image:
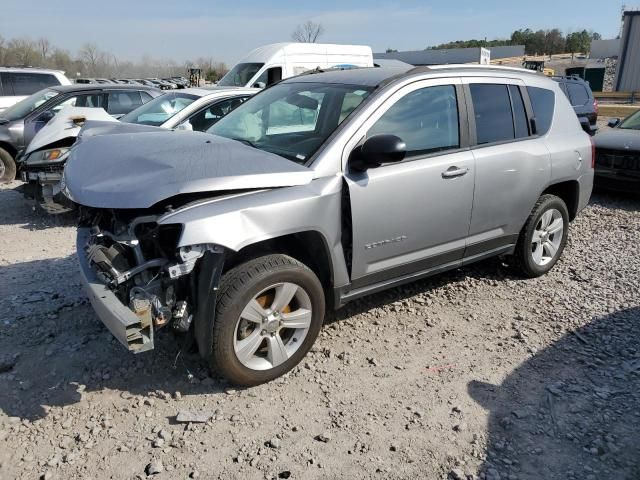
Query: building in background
x=628, y=73
x=451, y=55
x=604, y=48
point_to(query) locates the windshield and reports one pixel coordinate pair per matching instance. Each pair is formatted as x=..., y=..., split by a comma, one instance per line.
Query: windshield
x=240, y=75
x=632, y=122
x=28, y=105
x=291, y=119
x=160, y=109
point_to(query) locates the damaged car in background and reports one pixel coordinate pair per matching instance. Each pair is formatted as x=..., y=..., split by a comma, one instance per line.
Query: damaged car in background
x=319, y=190
x=44, y=159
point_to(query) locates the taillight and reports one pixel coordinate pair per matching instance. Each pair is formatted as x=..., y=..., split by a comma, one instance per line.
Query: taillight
x=595, y=105
x=593, y=152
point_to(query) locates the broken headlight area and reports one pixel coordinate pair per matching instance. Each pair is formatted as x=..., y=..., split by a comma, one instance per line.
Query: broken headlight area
x=140, y=262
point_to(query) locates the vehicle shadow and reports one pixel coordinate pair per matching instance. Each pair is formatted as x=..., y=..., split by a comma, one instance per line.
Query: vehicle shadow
x=572, y=410
x=53, y=348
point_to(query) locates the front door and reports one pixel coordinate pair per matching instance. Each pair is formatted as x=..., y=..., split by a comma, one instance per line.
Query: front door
x=412, y=216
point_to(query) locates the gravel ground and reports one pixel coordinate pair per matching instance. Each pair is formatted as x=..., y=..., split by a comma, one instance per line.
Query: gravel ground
x=473, y=374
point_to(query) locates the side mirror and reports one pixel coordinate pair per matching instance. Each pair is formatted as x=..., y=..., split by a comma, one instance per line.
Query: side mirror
x=586, y=126
x=378, y=150
x=614, y=122
x=185, y=126
x=259, y=85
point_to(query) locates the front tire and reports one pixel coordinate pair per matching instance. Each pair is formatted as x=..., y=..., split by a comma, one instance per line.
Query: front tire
x=543, y=236
x=269, y=312
x=7, y=167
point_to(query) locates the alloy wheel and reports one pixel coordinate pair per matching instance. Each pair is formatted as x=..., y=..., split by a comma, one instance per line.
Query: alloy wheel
x=547, y=237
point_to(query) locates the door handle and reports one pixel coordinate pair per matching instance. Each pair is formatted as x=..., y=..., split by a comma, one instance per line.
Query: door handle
x=453, y=172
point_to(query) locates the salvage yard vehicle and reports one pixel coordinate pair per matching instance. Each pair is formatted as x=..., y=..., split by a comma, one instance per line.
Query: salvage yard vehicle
x=20, y=123
x=18, y=83
x=269, y=64
x=582, y=100
x=618, y=155
x=193, y=109
x=321, y=189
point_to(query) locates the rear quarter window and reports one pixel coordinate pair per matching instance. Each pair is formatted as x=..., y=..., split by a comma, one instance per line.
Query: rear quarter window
x=543, y=104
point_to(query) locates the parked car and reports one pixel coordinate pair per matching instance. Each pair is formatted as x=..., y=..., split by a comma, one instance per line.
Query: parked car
x=161, y=84
x=582, y=100
x=18, y=83
x=20, y=123
x=618, y=155
x=269, y=64
x=319, y=190
x=189, y=109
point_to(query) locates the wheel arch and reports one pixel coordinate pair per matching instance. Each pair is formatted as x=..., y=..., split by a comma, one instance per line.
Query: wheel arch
x=9, y=148
x=569, y=192
x=309, y=247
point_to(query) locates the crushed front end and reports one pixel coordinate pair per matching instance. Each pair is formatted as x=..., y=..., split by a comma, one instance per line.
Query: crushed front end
x=136, y=277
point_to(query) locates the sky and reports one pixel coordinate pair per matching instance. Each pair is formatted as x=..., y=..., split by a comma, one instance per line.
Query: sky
x=225, y=30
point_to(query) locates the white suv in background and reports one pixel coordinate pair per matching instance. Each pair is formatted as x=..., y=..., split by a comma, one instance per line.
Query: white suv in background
x=19, y=83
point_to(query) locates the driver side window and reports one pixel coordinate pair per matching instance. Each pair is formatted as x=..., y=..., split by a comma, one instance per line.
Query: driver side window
x=425, y=119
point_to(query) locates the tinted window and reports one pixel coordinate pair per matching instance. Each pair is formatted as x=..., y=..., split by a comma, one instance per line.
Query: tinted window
x=426, y=120
x=122, y=102
x=492, y=108
x=578, y=94
x=208, y=116
x=542, y=101
x=28, y=83
x=519, y=113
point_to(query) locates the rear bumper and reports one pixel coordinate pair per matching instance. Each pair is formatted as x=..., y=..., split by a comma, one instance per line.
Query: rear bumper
x=620, y=180
x=134, y=332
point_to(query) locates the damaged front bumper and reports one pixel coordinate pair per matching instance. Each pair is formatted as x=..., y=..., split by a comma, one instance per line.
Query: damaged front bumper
x=134, y=331
x=135, y=290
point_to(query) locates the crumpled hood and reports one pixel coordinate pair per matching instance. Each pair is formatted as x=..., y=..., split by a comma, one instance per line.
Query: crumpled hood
x=141, y=169
x=618, y=139
x=62, y=126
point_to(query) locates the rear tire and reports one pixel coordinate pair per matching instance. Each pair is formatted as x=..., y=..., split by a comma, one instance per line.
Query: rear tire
x=268, y=315
x=7, y=167
x=543, y=236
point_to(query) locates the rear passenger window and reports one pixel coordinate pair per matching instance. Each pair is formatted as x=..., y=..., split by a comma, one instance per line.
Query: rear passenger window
x=578, y=94
x=519, y=113
x=492, y=109
x=122, y=102
x=426, y=120
x=542, y=101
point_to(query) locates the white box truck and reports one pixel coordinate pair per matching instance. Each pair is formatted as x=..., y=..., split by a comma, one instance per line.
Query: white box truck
x=271, y=63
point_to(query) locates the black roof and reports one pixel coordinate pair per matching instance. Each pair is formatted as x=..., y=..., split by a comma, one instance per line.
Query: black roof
x=79, y=87
x=369, y=77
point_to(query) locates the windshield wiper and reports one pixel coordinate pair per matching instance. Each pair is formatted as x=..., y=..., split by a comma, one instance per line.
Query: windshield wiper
x=245, y=141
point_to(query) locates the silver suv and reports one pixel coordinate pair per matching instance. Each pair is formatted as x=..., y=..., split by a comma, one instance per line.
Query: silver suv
x=319, y=190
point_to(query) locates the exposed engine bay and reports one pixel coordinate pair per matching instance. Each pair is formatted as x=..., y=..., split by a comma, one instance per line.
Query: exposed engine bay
x=138, y=260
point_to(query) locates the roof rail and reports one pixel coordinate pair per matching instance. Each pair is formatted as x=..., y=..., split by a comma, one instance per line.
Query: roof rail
x=471, y=66
x=568, y=77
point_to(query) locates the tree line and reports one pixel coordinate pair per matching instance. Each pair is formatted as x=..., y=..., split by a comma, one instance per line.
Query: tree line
x=538, y=42
x=92, y=61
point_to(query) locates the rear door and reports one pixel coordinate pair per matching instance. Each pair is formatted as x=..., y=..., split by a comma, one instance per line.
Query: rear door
x=413, y=216
x=512, y=165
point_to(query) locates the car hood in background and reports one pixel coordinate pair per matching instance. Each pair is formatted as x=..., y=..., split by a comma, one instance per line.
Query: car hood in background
x=618, y=139
x=94, y=128
x=66, y=124
x=139, y=170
